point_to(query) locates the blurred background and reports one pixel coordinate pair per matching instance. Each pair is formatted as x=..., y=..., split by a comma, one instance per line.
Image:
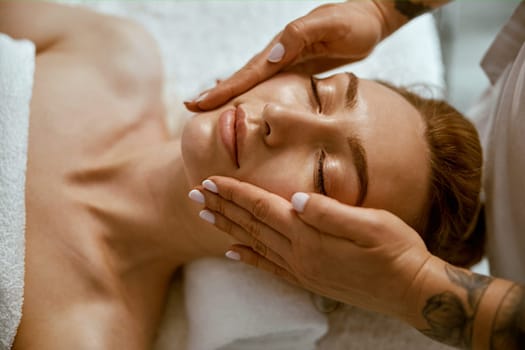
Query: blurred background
x=467, y=29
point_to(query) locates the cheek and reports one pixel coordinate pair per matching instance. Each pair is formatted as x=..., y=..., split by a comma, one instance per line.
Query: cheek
x=198, y=149
x=281, y=175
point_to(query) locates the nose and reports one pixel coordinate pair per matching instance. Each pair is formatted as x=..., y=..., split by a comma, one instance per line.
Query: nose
x=288, y=125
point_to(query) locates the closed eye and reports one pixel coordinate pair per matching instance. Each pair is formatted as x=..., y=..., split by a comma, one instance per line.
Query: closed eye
x=313, y=83
x=319, y=174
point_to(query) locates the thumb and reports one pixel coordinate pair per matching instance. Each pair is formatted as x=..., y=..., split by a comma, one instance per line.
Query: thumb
x=337, y=219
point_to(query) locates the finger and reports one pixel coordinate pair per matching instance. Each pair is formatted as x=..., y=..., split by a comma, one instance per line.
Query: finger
x=338, y=219
x=255, y=71
x=239, y=233
x=193, y=105
x=251, y=257
x=244, y=227
x=267, y=207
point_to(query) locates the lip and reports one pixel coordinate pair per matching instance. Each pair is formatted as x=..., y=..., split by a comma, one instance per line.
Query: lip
x=240, y=131
x=227, y=125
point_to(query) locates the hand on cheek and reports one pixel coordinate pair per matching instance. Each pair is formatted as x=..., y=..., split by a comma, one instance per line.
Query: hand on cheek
x=346, y=253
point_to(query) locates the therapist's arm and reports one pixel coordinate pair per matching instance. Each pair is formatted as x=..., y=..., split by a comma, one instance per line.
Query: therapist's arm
x=399, y=12
x=467, y=310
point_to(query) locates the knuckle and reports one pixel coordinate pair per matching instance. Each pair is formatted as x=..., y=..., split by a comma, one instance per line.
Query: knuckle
x=253, y=71
x=295, y=28
x=228, y=193
x=260, y=248
x=219, y=206
x=254, y=228
x=230, y=89
x=226, y=226
x=261, y=208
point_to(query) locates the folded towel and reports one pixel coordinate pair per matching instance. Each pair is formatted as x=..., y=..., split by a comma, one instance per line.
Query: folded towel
x=17, y=64
x=231, y=306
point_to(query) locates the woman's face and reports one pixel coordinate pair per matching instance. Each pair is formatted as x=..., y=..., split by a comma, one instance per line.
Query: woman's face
x=353, y=139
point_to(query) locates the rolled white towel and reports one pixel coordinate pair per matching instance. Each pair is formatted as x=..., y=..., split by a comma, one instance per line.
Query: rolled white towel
x=17, y=65
x=232, y=306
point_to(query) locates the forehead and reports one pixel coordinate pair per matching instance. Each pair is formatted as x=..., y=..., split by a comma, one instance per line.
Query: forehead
x=393, y=134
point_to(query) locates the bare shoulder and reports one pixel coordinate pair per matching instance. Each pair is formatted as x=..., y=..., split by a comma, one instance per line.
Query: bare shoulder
x=122, y=50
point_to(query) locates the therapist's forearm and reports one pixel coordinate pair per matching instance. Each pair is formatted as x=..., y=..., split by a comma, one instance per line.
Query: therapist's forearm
x=396, y=13
x=469, y=311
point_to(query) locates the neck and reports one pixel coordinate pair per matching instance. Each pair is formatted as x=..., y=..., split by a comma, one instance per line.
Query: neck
x=147, y=215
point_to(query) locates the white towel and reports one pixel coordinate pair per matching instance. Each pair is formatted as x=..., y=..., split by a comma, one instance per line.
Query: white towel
x=231, y=306
x=17, y=64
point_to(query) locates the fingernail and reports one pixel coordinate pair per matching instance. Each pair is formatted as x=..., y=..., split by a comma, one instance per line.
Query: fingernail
x=197, y=196
x=230, y=254
x=276, y=53
x=299, y=200
x=210, y=186
x=201, y=97
x=207, y=215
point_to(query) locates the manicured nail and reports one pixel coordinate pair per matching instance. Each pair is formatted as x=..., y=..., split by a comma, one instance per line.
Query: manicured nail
x=210, y=186
x=201, y=97
x=207, y=215
x=276, y=53
x=197, y=196
x=230, y=254
x=299, y=200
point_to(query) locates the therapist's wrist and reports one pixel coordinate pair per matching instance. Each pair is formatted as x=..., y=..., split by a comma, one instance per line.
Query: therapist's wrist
x=430, y=278
x=386, y=16
x=394, y=14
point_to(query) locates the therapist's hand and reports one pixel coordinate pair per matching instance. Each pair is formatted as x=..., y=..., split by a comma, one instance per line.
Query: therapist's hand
x=366, y=257
x=329, y=36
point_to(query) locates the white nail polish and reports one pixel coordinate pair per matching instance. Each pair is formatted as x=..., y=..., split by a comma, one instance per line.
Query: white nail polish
x=230, y=254
x=207, y=215
x=276, y=53
x=197, y=196
x=210, y=186
x=299, y=200
x=201, y=97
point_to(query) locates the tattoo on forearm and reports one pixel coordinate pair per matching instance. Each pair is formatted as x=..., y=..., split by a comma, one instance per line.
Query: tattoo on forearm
x=450, y=321
x=508, y=331
x=411, y=9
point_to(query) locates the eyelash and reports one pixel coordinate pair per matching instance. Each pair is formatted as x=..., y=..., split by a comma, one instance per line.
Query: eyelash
x=320, y=174
x=313, y=83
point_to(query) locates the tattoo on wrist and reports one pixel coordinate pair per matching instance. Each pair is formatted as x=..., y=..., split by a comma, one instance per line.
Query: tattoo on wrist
x=411, y=9
x=449, y=319
x=508, y=330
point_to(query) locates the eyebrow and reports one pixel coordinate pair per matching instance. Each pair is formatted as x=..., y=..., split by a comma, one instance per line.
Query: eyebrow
x=355, y=144
x=351, y=91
